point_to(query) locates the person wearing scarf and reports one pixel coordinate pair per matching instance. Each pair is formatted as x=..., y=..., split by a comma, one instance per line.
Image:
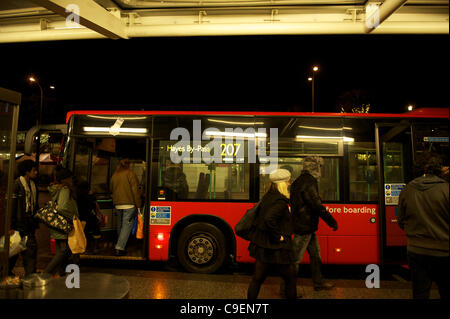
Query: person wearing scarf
x=22, y=219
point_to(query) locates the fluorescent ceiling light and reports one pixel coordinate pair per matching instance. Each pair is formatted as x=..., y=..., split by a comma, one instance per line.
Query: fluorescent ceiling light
x=69, y=28
x=343, y=138
x=349, y=139
x=107, y=129
x=234, y=134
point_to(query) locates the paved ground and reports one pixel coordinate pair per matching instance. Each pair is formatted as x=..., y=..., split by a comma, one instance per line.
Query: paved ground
x=152, y=280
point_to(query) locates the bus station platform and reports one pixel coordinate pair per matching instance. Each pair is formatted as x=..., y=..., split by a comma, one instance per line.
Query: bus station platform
x=91, y=286
x=159, y=280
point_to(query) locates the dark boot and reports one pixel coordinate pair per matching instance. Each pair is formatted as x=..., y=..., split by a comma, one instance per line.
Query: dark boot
x=283, y=291
x=319, y=282
x=324, y=286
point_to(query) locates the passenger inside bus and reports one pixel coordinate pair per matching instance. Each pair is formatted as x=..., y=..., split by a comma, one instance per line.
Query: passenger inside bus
x=95, y=163
x=174, y=182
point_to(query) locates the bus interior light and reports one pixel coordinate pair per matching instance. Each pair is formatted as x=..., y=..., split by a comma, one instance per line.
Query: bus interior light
x=324, y=138
x=325, y=128
x=235, y=122
x=235, y=134
x=117, y=117
x=121, y=130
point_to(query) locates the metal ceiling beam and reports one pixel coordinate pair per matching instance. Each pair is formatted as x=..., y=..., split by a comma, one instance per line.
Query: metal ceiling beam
x=384, y=11
x=15, y=27
x=91, y=15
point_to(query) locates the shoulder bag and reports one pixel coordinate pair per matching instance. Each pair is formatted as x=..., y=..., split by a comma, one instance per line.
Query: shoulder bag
x=49, y=216
x=244, y=226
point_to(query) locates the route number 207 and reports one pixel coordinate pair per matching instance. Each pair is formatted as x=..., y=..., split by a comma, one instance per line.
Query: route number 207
x=230, y=149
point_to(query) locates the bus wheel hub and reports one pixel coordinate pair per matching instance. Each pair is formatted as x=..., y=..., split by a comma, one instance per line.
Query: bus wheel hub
x=200, y=250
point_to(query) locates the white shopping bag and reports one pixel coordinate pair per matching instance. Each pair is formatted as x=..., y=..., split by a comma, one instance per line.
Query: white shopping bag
x=17, y=244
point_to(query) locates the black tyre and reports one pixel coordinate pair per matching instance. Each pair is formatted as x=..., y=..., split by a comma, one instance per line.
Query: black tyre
x=201, y=248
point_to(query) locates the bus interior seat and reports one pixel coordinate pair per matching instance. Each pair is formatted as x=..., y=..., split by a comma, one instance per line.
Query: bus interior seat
x=203, y=186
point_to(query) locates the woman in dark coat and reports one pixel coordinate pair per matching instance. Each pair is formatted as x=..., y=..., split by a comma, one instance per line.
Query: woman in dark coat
x=23, y=209
x=271, y=239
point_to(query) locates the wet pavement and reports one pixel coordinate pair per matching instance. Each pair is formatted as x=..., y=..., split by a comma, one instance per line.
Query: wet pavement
x=162, y=280
x=158, y=280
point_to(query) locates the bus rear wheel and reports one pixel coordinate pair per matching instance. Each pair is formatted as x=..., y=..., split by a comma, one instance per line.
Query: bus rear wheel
x=201, y=248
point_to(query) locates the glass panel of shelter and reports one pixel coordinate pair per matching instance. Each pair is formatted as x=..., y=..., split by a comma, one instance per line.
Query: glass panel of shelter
x=6, y=116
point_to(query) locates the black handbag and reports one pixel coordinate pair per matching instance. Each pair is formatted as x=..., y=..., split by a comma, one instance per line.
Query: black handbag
x=49, y=216
x=245, y=225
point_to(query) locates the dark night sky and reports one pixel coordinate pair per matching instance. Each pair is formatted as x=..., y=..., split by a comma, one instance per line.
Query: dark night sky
x=228, y=73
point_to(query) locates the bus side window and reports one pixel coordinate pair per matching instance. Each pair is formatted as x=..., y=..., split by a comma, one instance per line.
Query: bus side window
x=328, y=182
x=362, y=177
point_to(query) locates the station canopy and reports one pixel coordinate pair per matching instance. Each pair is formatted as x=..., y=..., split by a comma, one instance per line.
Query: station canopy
x=46, y=20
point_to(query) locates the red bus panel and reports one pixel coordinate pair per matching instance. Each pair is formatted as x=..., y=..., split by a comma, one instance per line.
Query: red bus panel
x=395, y=236
x=228, y=211
x=355, y=241
x=353, y=250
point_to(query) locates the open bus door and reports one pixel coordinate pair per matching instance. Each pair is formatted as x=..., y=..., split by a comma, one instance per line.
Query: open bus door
x=394, y=160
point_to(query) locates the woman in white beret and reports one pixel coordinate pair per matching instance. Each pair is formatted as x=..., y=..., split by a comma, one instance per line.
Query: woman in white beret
x=271, y=239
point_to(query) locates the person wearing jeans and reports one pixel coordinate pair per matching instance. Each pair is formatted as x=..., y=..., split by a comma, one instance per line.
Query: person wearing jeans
x=127, y=200
x=307, y=208
x=309, y=242
x=125, y=220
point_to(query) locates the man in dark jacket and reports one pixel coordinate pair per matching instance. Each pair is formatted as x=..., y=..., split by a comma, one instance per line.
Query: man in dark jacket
x=23, y=209
x=307, y=207
x=423, y=212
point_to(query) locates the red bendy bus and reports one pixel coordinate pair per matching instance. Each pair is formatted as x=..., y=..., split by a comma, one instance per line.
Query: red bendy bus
x=191, y=207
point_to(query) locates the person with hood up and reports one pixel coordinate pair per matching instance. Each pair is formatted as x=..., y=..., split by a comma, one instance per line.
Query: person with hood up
x=63, y=193
x=423, y=213
x=306, y=209
x=175, y=181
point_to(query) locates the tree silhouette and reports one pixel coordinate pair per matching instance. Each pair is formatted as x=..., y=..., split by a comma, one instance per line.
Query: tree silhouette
x=354, y=101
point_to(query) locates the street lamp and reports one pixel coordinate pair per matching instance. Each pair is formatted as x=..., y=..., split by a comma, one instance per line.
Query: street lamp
x=410, y=107
x=34, y=80
x=311, y=79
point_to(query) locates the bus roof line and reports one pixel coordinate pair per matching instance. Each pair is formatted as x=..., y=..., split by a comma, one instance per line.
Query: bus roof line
x=419, y=113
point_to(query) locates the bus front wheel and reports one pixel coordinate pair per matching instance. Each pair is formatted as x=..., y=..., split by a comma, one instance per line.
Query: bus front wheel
x=201, y=248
